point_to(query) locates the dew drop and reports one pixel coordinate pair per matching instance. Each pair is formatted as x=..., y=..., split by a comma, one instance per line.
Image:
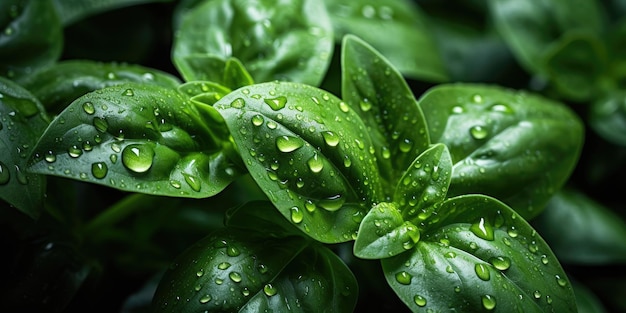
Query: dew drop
x=237, y=103
x=478, y=132
x=489, y=302
x=482, y=271
x=482, y=229
x=310, y=206
x=502, y=108
x=344, y=107
x=257, y=120
x=100, y=124
x=276, y=103
x=205, y=299
x=223, y=265
x=501, y=263
x=50, y=157
x=315, y=163
x=457, y=109
x=269, y=290
x=296, y=215
x=235, y=276
x=365, y=105
x=200, y=273
x=5, y=176
x=330, y=138
x=99, y=170
x=332, y=203
x=419, y=300
x=232, y=251
x=138, y=158
x=288, y=143
x=406, y=145
x=74, y=151
x=477, y=98
x=537, y=294
x=385, y=153
x=404, y=278
x=560, y=280
x=89, y=108
x=193, y=182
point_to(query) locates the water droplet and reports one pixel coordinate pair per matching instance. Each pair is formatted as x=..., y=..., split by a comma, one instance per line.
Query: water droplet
x=238, y=103
x=315, y=163
x=232, y=251
x=478, y=132
x=365, y=105
x=193, y=182
x=537, y=294
x=477, y=98
x=205, y=299
x=276, y=103
x=235, y=276
x=223, y=265
x=332, y=203
x=89, y=108
x=450, y=255
x=482, y=271
x=406, y=145
x=560, y=280
x=346, y=161
x=269, y=290
x=137, y=157
x=385, y=153
x=419, y=300
x=50, y=157
x=100, y=124
x=502, y=263
x=87, y=146
x=5, y=176
x=502, y=108
x=489, y=302
x=330, y=138
x=288, y=143
x=482, y=229
x=99, y=170
x=200, y=272
x=457, y=109
x=344, y=107
x=404, y=278
x=128, y=93
x=74, y=151
x=296, y=215
x=310, y=206
x=257, y=120
x=512, y=232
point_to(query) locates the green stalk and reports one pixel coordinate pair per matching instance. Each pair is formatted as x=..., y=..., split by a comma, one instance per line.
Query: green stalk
x=120, y=210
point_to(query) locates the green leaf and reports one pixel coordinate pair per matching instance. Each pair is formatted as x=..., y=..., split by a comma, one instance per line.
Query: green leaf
x=582, y=231
x=383, y=233
x=310, y=153
x=231, y=271
x=529, y=27
x=236, y=75
x=478, y=253
x=58, y=85
x=381, y=96
x=262, y=217
x=291, y=40
x=31, y=36
x=607, y=117
x=424, y=184
x=515, y=146
x=70, y=11
x=375, y=20
x=575, y=64
x=22, y=120
x=140, y=138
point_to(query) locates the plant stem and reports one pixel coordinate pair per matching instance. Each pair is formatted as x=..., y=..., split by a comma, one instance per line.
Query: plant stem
x=117, y=212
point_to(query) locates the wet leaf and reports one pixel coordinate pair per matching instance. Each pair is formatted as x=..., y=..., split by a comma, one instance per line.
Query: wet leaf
x=515, y=146
x=22, y=121
x=478, y=253
x=309, y=152
x=70, y=11
x=140, y=138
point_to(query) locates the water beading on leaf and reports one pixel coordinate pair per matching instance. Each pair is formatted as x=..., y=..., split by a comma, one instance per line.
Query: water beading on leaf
x=476, y=253
x=382, y=98
x=290, y=40
x=140, y=138
x=309, y=151
x=58, y=85
x=22, y=121
x=515, y=146
x=246, y=272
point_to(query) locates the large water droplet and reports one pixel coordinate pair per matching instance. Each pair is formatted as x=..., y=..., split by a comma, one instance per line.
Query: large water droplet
x=238, y=103
x=315, y=163
x=501, y=107
x=205, y=299
x=406, y=145
x=269, y=290
x=482, y=271
x=5, y=176
x=332, y=203
x=99, y=170
x=128, y=93
x=330, y=138
x=235, y=276
x=257, y=120
x=404, y=278
x=193, y=182
x=74, y=151
x=478, y=132
x=489, y=302
x=50, y=157
x=365, y=105
x=138, y=158
x=232, y=251
x=482, y=229
x=288, y=143
x=296, y=215
x=276, y=103
x=223, y=265
x=419, y=300
x=89, y=108
x=502, y=263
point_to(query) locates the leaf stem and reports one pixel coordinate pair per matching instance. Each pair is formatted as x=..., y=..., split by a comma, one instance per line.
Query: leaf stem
x=117, y=212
